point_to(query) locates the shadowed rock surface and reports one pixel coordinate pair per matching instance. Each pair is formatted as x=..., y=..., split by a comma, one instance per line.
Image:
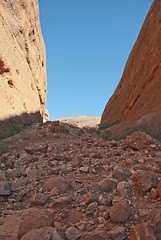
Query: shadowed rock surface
x=138, y=93
x=22, y=61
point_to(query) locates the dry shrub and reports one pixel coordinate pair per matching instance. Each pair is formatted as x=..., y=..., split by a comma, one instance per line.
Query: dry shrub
x=151, y=124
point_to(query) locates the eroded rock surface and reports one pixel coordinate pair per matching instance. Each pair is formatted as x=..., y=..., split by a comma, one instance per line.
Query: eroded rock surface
x=22, y=61
x=138, y=92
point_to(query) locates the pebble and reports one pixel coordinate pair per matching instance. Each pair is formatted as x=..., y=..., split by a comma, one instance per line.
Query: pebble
x=91, y=207
x=84, y=169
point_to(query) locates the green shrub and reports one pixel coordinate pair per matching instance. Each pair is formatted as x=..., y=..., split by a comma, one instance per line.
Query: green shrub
x=14, y=129
x=93, y=130
x=151, y=123
x=3, y=148
x=129, y=130
x=107, y=135
x=109, y=123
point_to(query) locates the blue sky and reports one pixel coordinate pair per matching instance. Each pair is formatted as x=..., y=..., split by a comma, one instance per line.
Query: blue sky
x=87, y=45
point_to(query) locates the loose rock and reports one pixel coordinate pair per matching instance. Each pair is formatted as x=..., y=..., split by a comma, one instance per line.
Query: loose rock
x=120, y=211
x=108, y=185
x=37, y=220
x=5, y=189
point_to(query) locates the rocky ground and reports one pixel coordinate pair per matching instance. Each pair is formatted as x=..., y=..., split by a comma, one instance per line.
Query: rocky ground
x=60, y=182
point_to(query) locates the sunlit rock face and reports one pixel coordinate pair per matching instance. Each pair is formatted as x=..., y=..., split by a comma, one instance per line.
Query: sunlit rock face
x=138, y=93
x=23, y=83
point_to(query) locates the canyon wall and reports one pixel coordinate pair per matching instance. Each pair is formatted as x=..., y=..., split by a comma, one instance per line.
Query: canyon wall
x=23, y=81
x=138, y=93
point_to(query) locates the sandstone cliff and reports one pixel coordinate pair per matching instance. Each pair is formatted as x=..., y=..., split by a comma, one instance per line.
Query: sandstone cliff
x=23, y=83
x=139, y=91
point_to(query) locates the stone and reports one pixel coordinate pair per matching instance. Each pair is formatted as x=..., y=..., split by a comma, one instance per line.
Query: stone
x=81, y=225
x=101, y=220
x=22, y=63
x=34, y=175
x=142, y=231
x=62, y=202
x=118, y=233
x=91, y=207
x=92, y=236
x=155, y=222
x=144, y=180
x=107, y=185
x=39, y=219
x=135, y=100
x=58, y=182
x=84, y=169
x=159, y=188
x=105, y=200
x=74, y=215
x=36, y=148
x=120, y=211
x=39, y=199
x=90, y=197
x=54, y=191
x=124, y=189
x=121, y=174
x=73, y=233
x=106, y=215
x=102, y=208
x=154, y=193
x=5, y=188
x=2, y=176
x=60, y=226
x=43, y=234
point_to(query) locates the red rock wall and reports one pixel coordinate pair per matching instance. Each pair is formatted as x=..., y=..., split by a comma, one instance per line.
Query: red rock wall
x=139, y=90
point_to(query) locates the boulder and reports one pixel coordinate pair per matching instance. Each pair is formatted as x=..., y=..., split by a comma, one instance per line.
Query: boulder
x=120, y=211
x=142, y=231
x=43, y=234
x=37, y=220
x=144, y=180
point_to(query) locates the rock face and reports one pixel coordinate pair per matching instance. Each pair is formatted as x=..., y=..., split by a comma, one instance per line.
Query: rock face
x=138, y=92
x=22, y=61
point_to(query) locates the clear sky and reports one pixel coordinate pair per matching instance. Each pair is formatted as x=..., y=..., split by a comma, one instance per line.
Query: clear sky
x=87, y=45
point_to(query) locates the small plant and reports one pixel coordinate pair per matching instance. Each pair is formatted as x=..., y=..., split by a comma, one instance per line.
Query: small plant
x=152, y=125
x=107, y=135
x=108, y=124
x=129, y=130
x=93, y=130
x=14, y=129
x=3, y=148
